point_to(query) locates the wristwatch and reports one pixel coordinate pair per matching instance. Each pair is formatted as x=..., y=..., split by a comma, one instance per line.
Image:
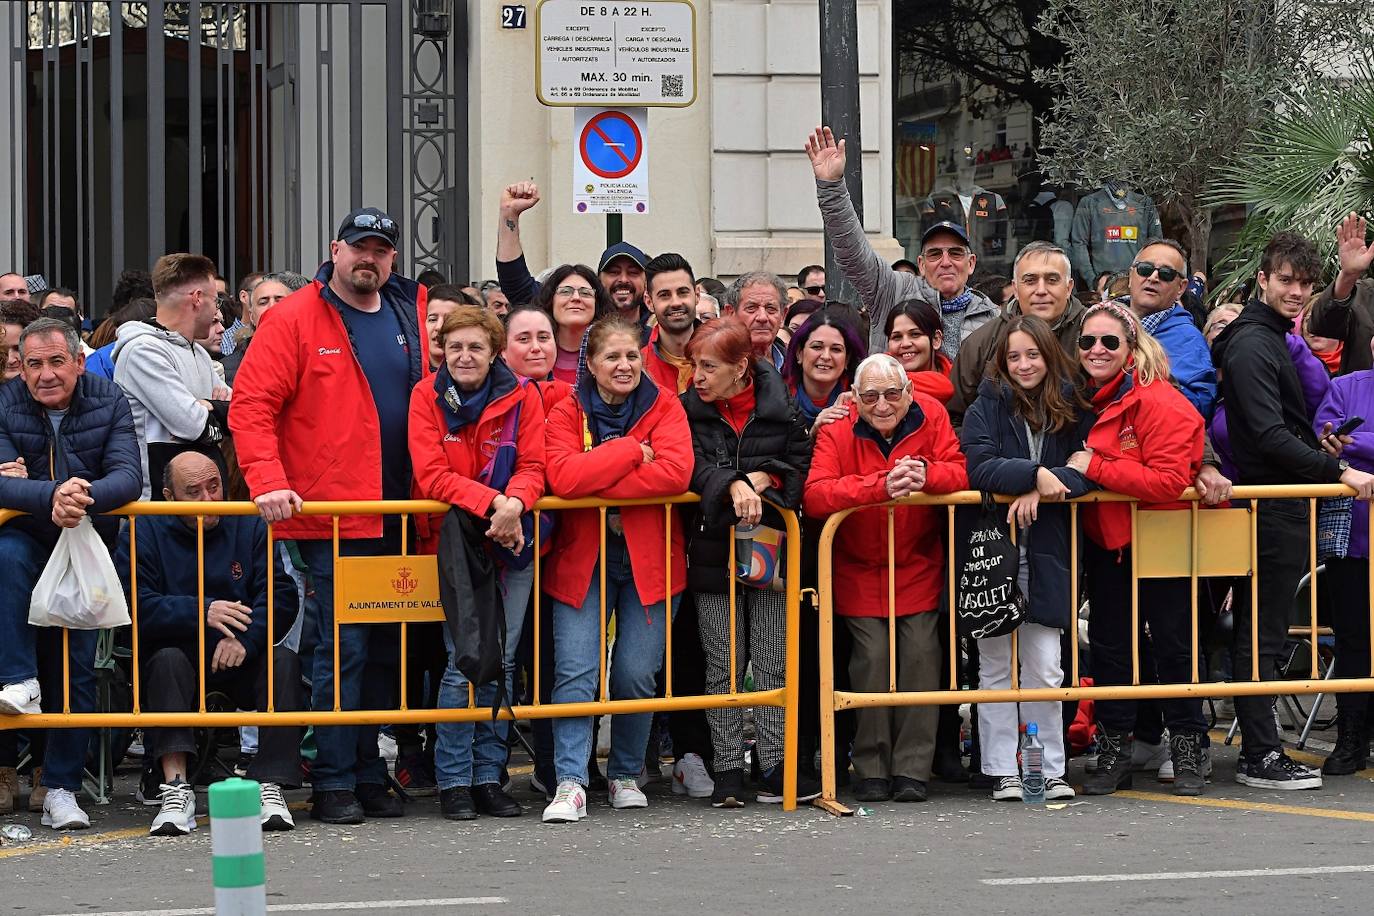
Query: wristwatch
x=1343, y=465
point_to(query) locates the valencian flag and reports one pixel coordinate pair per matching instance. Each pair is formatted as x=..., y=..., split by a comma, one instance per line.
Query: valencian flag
x=917, y=158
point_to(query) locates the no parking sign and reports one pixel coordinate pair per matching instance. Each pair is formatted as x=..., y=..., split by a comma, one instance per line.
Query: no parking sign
x=610, y=160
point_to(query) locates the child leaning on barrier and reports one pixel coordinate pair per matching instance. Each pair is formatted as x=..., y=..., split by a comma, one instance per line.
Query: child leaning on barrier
x=1018, y=435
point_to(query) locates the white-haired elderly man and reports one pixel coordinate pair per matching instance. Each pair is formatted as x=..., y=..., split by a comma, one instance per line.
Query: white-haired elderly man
x=899, y=443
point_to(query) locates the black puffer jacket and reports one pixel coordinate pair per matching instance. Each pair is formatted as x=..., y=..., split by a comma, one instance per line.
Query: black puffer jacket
x=774, y=441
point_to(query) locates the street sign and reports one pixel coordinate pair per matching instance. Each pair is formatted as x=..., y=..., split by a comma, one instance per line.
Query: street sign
x=610, y=162
x=616, y=54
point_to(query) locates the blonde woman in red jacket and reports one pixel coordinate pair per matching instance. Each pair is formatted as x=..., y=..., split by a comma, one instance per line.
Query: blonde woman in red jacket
x=1146, y=443
x=901, y=442
x=473, y=407
x=618, y=437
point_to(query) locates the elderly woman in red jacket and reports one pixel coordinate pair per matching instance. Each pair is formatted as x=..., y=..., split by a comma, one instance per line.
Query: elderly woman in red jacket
x=1146, y=443
x=900, y=443
x=618, y=437
x=471, y=409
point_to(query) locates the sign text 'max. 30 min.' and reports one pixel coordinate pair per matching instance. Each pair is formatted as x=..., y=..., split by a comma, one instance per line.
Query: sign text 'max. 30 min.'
x=616, y=54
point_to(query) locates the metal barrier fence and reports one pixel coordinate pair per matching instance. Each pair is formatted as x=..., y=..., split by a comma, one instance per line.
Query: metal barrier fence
x=414, y=611
x=1195, y=543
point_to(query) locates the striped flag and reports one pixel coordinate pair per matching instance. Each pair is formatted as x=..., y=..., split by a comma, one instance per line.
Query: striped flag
x=916, y=159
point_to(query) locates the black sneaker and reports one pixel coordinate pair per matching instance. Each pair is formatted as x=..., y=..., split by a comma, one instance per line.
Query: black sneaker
x=906, y=789
x=493, y=801
x=872, y=790
x=1276, y=770
x=771, y=787
x=378, y=802
x=456, y=804
x=415, y=774
x=729, y=790
x=336, y=807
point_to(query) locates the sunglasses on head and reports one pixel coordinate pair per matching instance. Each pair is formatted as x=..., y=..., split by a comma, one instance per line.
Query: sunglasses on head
x=891, y=395
x=1167, y=274
x=1088, y=341
x=814, y=290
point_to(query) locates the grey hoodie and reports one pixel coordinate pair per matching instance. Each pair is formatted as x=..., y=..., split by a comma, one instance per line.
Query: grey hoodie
x=164, y=377
x=879, y=286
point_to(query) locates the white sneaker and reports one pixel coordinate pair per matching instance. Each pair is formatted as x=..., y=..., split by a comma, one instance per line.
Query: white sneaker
x=178, y=814
x=691, y=779
x=61, y=812
x=275, y=814
x=625, y=793
x=569, y=804
x=1150, y=756
x=1056, y=789
x=23, y=698
x=1007, y=788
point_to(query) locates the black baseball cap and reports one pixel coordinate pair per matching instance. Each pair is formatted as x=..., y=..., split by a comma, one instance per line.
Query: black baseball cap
x=622, y=250
x=946, y=226
x=905, y=262
x=369, y=222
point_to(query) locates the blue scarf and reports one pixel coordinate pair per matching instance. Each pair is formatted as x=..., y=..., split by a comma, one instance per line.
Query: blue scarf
x=808, y=407
x=613, y=421
x=461, y=408
x=959, y=303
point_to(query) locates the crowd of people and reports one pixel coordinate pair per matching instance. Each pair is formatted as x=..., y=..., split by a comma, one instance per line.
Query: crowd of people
x=637, y=379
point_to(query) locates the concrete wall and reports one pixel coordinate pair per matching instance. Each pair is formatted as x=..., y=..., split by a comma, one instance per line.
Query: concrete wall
x=731, y=188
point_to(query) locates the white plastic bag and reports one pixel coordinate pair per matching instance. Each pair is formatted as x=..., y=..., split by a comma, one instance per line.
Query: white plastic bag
x=79, y=588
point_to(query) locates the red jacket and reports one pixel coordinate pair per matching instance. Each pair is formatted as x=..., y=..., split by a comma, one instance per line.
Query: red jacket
x=302, y=414
x=935, y=381
x=616, y=470
x=664, y=373
x=552, y=391
x=446, y=464
x=849, y=469
x=1146, y=443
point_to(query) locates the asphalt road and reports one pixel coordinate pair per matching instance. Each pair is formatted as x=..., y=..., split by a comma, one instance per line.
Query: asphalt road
x=1234, y=851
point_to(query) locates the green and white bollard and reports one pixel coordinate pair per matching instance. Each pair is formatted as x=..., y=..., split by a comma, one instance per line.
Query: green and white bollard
x=236, y=842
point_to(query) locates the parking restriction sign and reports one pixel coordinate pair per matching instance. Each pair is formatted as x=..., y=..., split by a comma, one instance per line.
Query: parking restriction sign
x=610, y=162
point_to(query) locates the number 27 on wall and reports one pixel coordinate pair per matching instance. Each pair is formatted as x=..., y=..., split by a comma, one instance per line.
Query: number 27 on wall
x=512, y=16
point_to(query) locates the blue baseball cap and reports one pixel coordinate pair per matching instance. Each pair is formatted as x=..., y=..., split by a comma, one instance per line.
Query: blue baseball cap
x=622, y=250
x=946, y=226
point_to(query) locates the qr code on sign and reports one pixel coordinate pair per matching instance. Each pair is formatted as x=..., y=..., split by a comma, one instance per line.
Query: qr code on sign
x=671, y=85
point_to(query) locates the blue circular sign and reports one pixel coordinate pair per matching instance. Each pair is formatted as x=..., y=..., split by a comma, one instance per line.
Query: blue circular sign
x=610, y=145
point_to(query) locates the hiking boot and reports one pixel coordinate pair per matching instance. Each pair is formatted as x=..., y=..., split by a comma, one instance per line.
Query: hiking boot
x=1186, y=752
x=1113, y=764
x=9, y=789
x=1351, y=752
x=39, y=792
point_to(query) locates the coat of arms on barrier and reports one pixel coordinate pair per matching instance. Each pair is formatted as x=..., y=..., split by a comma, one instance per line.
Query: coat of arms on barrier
x=404, y=583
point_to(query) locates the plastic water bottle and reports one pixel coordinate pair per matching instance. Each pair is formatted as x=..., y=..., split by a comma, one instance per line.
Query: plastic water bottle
x=1032, y=766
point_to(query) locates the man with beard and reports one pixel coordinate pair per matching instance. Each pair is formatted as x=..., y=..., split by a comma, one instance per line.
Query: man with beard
x=621, y=267
x=319, y=413
x=673, y=298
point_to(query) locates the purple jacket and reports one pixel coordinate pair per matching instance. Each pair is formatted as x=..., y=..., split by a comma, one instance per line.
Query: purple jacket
x=1315, y=381
x=1353, y=396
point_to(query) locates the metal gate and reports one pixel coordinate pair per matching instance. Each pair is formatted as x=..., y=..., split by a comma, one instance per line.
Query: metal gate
x=243, y=130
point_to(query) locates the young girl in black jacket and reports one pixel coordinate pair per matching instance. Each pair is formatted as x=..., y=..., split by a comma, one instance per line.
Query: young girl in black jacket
x=1017, y=436
x=749, y=441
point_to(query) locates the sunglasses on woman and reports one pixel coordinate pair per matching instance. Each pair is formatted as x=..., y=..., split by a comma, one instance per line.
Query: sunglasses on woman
x=1087, y=341
x=1167, y=274
x=891, y=395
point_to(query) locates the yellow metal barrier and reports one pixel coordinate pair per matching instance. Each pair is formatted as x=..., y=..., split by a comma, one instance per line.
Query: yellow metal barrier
x=1193, y=543
x=346, y=574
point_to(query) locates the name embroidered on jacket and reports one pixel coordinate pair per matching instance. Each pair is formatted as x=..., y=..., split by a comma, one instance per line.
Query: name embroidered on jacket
x=330, y=351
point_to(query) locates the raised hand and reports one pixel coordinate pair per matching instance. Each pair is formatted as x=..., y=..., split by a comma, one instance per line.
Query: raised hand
x=827, y=157
x=518, y=197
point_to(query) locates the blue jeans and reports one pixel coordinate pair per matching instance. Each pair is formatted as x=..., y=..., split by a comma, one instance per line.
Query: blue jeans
x=635, y=661
x=27, y=652
x=369, y=656
x=473, y=753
